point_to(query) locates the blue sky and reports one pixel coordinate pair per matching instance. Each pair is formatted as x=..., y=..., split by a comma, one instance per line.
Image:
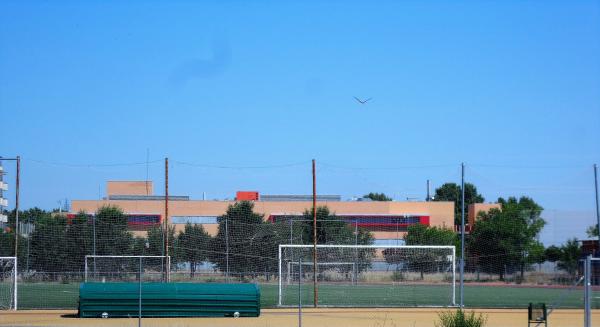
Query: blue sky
x=511, y=88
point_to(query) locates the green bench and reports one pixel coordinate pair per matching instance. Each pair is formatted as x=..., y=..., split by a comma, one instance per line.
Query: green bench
x=168, y=300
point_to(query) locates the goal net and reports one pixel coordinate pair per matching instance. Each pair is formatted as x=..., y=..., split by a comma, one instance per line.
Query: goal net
x=126, y=268
x=368, y=275
x=8, y=283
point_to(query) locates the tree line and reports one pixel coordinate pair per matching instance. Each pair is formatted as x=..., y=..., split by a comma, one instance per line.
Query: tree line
x=501, y=241
x=245, y=244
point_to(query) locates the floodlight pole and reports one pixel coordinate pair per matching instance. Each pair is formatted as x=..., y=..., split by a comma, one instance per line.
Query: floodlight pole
x=315, y=268
x=597, y=210
x=462, y=235
x=18, y=183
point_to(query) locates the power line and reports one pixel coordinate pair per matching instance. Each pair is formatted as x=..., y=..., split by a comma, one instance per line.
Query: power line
x=90, y=165
x=201, y=165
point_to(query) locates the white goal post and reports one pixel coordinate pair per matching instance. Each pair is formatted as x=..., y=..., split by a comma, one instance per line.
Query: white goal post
x=369, y=275
x=8, y=283
x=101, y=267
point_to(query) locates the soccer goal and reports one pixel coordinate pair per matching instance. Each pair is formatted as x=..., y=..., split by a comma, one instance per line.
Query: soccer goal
x=126, y=268
x=8, y=283
x=368, y=275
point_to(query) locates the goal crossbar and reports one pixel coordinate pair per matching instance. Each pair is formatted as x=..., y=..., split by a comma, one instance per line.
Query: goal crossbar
x=370, y=246
x=14, y=295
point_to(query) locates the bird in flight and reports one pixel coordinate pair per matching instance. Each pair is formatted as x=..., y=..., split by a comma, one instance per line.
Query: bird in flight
x=362, y=101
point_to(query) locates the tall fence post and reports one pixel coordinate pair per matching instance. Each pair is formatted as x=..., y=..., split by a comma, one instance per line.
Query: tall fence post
x=291, y=231
x=462, y=236
x=299, y=291
x=227, y=249
x=587, y=290
x=140, y=295
x=355, y=272
x=280, y=277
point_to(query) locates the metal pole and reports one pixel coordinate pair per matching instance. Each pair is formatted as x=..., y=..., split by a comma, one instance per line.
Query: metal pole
x=597, y=210
x=15, y=297
x=17, y=207
x=291, y=231
x=315, y=270
x=227, y=249
x=166, y=222
x=94, y=242
x=453, y=275
x=587, y=291
x=140, y=296
x=462, y=236
x=355, y=272
x=300, y=291
x=280, y=277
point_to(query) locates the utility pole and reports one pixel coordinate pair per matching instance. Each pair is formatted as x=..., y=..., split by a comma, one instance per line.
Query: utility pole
x=315, y=270
x=166, y=222
x=597, y=210
x=462, y=235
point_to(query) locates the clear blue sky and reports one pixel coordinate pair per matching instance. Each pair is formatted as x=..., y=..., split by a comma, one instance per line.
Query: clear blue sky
x=511, y=88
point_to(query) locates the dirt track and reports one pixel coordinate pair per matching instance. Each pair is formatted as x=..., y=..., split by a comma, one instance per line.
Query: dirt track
x=287, y=317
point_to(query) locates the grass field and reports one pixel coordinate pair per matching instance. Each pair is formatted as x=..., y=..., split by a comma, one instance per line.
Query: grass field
x=65, y=296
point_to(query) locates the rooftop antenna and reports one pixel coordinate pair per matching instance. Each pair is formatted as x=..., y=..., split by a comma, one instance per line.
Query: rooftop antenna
x=428, y=198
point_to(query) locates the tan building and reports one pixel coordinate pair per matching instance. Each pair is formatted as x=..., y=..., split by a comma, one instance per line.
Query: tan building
x=387, y=220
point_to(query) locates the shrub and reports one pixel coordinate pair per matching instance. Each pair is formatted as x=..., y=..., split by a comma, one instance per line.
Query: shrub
x=459, y=318
x=398, y=276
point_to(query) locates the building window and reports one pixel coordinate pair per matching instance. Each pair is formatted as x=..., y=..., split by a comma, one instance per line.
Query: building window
x=194, y=219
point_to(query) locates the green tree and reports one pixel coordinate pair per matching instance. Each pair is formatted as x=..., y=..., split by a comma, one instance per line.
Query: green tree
x=552, y=253
x=334, y=230
x=156, y=241
x=27, y=216
x=536, y=254
x=49, y=251
x=7, y=248
x=192, y=246
x=570, y=254
x=502, y=238
x=424, y=261
x=592, y=231
x=377, y=197
x=112, y=234
x=453, y=192
x=79, y=239
x=245, y=245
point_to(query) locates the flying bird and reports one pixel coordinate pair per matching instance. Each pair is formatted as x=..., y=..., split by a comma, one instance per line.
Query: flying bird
x=362, y=101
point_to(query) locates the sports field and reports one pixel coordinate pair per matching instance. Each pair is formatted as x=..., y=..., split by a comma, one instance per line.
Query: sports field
x=65, y=296
x=289, y=318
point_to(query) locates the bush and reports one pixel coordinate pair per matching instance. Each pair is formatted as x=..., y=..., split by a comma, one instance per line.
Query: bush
x=398, y=276
x=459, y=318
